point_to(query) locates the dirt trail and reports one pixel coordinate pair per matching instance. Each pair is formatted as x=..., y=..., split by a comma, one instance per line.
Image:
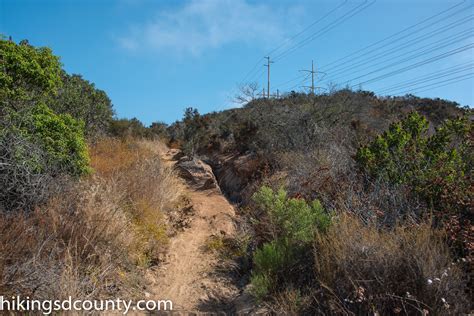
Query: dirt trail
x=191, y=276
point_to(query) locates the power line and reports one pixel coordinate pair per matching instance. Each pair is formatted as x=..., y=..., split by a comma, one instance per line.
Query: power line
x=393, y=35
x=291, y=80
x=443, y=85
x=255, y=67
x=312, y=72
x=252, y=73
x=256, y=77
x=437, y=84
x=407, y=44
x=300, y=84
x=307, y=28
x=252, y=70
x=412, y=66
x=428, y=77
x=424, y=51
x=423, y=79
x=326, y=29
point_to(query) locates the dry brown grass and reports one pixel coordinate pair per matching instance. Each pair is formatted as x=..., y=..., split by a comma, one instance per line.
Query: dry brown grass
x=75, y=245
x=407, y=270
x=92, y=239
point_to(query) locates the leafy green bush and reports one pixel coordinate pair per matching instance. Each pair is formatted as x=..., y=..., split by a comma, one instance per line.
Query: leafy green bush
x=61, y=136
x=27, y=73
x=37, y=146
x=269, y=261
x=30, y=75
x=293, y=224
x=83, y=101
x=436, y=167
x=407, y=154
x=292, y=219
x=127, y=128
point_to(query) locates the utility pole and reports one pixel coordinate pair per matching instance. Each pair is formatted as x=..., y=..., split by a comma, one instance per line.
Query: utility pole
x=268, y=75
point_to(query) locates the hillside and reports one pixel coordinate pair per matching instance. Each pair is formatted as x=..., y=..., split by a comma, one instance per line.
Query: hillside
x=344, y=203
x=380, y=165
x=272, y=134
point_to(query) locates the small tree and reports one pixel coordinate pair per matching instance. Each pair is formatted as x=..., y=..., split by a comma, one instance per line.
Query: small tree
x=194, y=131
x=247, y=93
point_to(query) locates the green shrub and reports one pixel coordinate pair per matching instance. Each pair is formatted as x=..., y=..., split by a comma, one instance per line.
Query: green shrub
x=269, y=261
x=270, y=258
x=37, y=146
x=27, y=73
x=292, y=219
x=261, y=285
x=83, y=101
x=124, y=128
x=30, y=75
x=293, y=224
x=436, y=168
x=61, y=136
x=407, y=154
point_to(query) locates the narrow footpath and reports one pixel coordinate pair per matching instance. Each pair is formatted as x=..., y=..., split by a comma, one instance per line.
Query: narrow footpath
x=191, y=275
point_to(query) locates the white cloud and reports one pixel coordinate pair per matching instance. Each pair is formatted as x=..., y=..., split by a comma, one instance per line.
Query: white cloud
x=201, y=25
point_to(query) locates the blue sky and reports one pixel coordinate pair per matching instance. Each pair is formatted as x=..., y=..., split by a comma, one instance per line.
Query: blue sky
x=154, y=58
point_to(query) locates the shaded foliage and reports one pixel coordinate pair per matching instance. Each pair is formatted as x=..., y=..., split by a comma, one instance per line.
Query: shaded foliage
x=83, y=101
x=134, y=128
x=127, y=128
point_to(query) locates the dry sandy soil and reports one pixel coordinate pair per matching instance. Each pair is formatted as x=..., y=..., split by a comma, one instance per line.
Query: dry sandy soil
x=195, y=279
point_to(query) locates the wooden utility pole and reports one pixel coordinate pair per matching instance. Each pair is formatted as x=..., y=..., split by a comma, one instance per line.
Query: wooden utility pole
x=268, y=75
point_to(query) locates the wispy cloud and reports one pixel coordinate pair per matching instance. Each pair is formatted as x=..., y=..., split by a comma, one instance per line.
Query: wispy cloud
x=200, y=25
